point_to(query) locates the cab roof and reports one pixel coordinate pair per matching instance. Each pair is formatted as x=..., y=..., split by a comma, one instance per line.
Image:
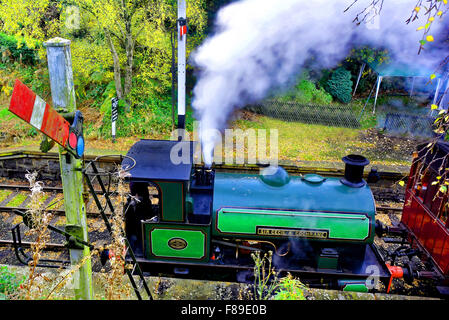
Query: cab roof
x=154, y=160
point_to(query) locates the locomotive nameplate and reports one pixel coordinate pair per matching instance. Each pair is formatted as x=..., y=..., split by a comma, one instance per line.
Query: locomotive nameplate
x=295, y=233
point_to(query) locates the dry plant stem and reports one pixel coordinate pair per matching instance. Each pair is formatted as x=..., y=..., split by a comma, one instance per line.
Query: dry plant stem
x=114, y=281
x=61, y=282
x=39, y=228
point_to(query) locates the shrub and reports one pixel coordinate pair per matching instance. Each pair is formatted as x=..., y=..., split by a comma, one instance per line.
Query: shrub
x=290, y=289
x=340, y=85
x=11, y=47
x=306, y=92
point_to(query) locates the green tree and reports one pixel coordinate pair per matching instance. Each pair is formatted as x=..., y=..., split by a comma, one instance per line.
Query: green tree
x=128, y=24
x=340, y=85
x=30, y=20
x=108, y=35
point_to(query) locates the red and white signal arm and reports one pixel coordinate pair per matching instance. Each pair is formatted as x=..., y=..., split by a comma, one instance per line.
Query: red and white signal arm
x=33, y=109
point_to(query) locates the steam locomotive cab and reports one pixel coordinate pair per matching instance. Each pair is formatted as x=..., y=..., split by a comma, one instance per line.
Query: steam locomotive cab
x=179, y=229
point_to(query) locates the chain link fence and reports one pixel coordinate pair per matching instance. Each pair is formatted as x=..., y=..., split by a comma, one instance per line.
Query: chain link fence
x=392, y=121
x=407, y=124
x=330, y=115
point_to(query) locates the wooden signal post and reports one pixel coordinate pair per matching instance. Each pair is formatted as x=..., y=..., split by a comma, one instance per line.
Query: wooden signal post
x=63, y=96
x=35, y=111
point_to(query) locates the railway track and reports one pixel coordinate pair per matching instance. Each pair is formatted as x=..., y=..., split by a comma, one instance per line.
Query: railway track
x=17, y=197
x=17, y=163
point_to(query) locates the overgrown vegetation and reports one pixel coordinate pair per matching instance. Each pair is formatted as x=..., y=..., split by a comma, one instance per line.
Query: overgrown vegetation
x=9, y=283
x=13, y=50
x=267, y=284
x=307, y=92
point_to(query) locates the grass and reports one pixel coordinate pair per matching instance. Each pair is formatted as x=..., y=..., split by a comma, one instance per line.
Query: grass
x=297, y=142
x=17, y=200
x=309, y=142
x=4, y=194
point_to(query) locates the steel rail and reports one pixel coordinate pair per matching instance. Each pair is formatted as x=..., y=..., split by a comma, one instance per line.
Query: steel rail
x=58, y=212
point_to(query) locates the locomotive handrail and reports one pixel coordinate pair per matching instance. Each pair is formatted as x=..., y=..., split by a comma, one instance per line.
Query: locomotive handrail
x=108, y=173
x=281, y=213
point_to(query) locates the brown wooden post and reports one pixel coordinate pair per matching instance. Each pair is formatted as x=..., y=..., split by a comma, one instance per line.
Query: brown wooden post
x=63, y=96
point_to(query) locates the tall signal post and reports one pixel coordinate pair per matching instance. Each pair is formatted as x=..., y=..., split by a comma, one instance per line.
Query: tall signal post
x=63, y=96
x=182, y=41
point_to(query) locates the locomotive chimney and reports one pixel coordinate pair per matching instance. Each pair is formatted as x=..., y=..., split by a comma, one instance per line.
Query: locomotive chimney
x=354, y=170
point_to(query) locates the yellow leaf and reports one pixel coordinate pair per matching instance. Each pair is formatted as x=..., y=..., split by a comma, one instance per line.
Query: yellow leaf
x=429, y=38
x=420, y=28
x=440, y=13
x=434, y=106
x=431, y=19
x=417, y=9
x=401, y=183
x=432, y=76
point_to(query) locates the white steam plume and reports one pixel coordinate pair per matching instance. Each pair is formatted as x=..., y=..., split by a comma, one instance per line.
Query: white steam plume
x=261, y=45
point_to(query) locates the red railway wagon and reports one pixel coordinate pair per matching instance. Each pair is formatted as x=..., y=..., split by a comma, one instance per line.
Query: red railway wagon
x=426, y=206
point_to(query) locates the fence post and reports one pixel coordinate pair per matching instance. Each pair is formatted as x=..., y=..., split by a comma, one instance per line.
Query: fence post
x=63, y=96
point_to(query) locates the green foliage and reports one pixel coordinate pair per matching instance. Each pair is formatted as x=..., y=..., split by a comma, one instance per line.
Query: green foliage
x=6, y=114
x=106, y=97
x=30, y=20
x=290, y=289
x=340, y=85
x=369, y=55
x=309, y=92
x=9, y=282
x=91, y=63
x=13, y=49
x=267, y=285
x=306, y=92
x=152, y=118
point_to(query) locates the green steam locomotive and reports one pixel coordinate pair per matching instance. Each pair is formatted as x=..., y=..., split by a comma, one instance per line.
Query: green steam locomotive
x=194, y=222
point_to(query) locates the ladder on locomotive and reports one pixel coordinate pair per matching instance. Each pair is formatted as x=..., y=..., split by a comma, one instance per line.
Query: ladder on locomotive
x=142, y=287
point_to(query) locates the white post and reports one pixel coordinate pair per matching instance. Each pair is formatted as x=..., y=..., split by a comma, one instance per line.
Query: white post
x=437, y=91
x=358, y=78
x=182, y=37
x=445, y=97
x=379, y=80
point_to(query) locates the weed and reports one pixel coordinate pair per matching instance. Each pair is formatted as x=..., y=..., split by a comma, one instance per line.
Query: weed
x=38, y=221
x=290, y=289
x=9, y=282
x=115, y=288
x=265, y=277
